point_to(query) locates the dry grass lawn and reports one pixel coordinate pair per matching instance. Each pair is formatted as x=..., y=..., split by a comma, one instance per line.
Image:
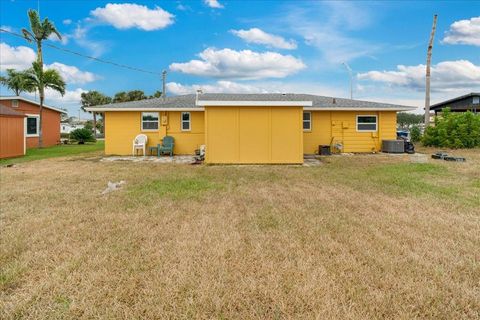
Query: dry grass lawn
x=358, y=237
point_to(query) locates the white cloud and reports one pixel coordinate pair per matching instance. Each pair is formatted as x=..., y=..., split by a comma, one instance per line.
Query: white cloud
x=326, y=26
x=213, y=4
x=72, y=74
x=183, y=7
x=53, y=37
x=16, y=57
x=245, y=64
x=67, y=22
x=130, y=15
x=21, y=58
x=223, y=86
x=7, y=28
x=446, y=76
x=80, y=35
x=464, y=32
x=256, y=35
x=71, y=100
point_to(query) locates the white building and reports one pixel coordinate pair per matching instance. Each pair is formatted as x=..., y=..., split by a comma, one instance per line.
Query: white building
x=67, y=127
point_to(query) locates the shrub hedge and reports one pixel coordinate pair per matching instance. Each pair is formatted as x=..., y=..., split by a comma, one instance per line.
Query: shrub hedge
x=454, y=130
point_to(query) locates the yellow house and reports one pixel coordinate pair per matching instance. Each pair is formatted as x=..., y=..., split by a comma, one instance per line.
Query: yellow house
x=251, y=128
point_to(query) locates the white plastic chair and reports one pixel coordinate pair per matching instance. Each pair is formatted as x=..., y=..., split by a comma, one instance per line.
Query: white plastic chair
x=140, y=143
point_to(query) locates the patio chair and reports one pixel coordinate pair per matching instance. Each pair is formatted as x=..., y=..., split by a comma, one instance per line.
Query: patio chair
x=166, y=146
x=140, y=143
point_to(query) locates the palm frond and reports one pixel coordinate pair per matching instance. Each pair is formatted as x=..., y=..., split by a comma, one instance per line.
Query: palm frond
x=35, y=24
x=49, y=28
x=52, y=79
x=28, y=35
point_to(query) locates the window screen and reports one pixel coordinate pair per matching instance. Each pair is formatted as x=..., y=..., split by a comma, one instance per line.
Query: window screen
x=185, y=121
x=366, y=123
x=150, y=120
x=32, y=125
x=307, y=121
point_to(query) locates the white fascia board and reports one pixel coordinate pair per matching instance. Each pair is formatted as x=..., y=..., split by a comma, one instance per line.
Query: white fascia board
x=221, y=103
x=91, y=109
x=33, y=102
x=361, y=109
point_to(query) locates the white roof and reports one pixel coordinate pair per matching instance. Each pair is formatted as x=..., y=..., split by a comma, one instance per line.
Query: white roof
x=32, y=102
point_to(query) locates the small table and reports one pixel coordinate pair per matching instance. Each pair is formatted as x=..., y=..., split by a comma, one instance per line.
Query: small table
x=152, y=149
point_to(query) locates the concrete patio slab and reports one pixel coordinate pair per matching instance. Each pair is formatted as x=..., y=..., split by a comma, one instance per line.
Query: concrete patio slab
x=174, y=159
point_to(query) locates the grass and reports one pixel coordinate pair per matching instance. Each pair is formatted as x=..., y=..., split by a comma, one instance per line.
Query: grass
x=367, y=237
x=55, y=151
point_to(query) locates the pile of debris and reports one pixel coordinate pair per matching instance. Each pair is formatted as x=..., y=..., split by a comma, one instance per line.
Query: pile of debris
x=442, y=155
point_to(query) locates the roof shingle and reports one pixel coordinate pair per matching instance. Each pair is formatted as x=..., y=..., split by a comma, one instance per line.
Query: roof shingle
x=189, y=101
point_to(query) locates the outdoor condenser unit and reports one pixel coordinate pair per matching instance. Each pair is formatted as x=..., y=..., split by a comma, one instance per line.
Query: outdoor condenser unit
x=393, y=146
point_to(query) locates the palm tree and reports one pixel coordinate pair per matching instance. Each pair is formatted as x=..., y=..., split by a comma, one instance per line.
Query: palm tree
x=16, y=81
x=94, y=98
x=39, y=31
x=40, y=80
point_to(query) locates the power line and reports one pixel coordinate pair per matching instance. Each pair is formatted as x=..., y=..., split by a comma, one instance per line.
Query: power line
x=87, y=56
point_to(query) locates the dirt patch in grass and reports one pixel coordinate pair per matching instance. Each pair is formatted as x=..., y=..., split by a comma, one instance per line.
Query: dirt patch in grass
x=354, y=238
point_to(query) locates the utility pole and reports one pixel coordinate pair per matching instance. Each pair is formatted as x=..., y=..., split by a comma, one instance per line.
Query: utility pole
x=351, y=78
x=427, y=76
x=164, y=79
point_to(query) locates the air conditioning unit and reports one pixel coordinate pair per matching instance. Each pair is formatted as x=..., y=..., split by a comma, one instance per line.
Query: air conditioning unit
x=393, y=146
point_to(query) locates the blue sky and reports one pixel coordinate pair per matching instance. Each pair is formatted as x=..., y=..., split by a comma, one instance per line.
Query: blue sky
x=255, y=46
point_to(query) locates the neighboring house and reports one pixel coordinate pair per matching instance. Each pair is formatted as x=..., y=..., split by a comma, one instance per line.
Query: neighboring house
x=251, y=128
x=31, y=109
x=12, y=133
x=66, y=127
x=468, y=102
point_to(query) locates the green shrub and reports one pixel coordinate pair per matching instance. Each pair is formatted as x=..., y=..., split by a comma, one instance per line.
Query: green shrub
x=82, y=135
x=454, y=130
x=415, y=134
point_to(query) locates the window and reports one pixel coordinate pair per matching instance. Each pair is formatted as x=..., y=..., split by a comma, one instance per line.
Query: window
x=150, y=121
x=307, y=121
x=14, y=103
x=31, y=124
x=185, y=121
x=476, y=100
x=367, y=123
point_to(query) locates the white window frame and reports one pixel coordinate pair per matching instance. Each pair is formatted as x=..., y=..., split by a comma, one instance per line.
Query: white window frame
x=158, y=122
x=189, y=121
x=37, y=116
x=367, y=115
x=309, y=121
x=14, y=103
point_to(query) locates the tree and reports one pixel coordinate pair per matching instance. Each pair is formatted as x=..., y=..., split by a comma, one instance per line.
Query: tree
x=136, y=95
x=40, y=80
x=120, y=97
x=157, y=94
x=406, y=120
x=39, y=31
x=94, y=98
x=415, y=134
x=16, y=81
x=133, y=95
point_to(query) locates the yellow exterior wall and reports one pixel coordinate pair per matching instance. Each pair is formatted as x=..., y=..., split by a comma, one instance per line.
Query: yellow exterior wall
x=186, y=142
x=341, y=126
x=254, y=134
x=122, y=127
x=251, y=134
